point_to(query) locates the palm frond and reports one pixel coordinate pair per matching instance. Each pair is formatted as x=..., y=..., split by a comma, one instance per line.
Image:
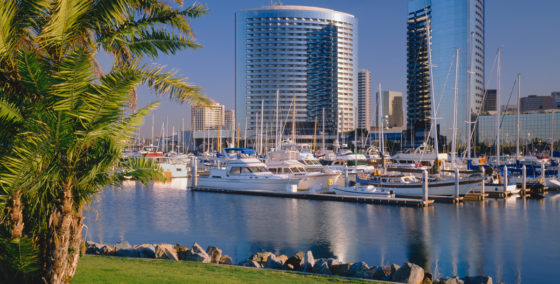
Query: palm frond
x=9, y=111
x=152, y=42
x=72, y=78
x=33, y=73
x=8, y=12
x=64, y=23
x=177, y=88
x=140, y=169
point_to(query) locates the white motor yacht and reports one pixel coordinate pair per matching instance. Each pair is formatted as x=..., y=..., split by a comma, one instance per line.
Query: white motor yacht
x=409, y=185
x=363, y=190
x=245, y=174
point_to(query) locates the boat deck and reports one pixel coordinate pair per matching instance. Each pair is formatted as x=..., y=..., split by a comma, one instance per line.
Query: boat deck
x=412, y=202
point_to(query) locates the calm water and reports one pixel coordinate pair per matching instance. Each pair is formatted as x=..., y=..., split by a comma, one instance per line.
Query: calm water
x=515, y=240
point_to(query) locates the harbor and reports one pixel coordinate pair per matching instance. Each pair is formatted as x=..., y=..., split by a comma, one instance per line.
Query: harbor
x=469, y=238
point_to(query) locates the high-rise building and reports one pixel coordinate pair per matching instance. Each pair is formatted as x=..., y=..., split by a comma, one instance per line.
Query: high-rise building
x=364, y=94
x=392, y=108
x=453, y=25
x=536, y=103
x=207, y=117
x=229, y=119
x=489, y=101
x=556, y=97
x=303, y=54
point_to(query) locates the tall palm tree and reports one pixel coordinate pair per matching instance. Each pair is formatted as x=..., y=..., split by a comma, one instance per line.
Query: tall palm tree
x=61, y=116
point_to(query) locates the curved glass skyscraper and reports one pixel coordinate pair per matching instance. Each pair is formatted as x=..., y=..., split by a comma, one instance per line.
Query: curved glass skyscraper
x=457, y=24
x=306, y=54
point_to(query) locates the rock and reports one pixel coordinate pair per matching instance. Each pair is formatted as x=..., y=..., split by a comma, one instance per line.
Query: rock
x=196, y=253
x=427, y=281
x=321, y=267
x=261, y=257
x=478, y=280
x=382, y=273
x=130, y=252
x=358, y=269
x=450, y=280
x=409, y=273
x=394, y=268
x=333, y=261
x=93, y=247
x=250, y=263
x=226, y=259
x=428, y=275
x=296, y=260
x=309, y=259
x=182, y=251
x=318, y=263
x=122, y=245
x=166, y=251
x=107, y=250
x=282, y=258
x=214, y=253
x=341, y=269
x=146, y=251
x=273, y=263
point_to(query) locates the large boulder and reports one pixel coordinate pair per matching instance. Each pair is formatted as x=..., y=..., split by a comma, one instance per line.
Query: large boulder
x=196, y=253
x=282, y=258
x=226, y=259
x=214, y=253
x=308, y=262
x=129, y=252
x=394, y=268
x=478, y=280
x=146, y=251
x=409, y=273
x=166, y=251
x=321, y=267
x=333, y=261
x=261, y=257
x=382, y=273
x=182, y=251
x=107, y=250
x=273, y=263
x=449, y=280
x=295, y=261
x=250, y=263
x=122, y=245
x=93, y=247
x=359, y=270
x=341, y=269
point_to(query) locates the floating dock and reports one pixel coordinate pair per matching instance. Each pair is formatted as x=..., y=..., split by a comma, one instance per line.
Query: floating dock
x=412, y=202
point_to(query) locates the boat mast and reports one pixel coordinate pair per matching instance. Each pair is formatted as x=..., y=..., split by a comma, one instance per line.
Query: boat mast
x=173, y=139
x=276, y=139
x=454, y=139
x=433, y=98
x=552, y=135
x=323, y=132
x=219, y=142
x=262, y=124
x=498, y=108
x=518, y=114
x=294, y=121
x=152, y=129
x=469, y=97
x=183, y=138
x=380, y=119
x=315, y=134
x=245, y=134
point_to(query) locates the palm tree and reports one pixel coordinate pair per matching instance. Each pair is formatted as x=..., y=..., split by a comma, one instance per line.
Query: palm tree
x=64, y=128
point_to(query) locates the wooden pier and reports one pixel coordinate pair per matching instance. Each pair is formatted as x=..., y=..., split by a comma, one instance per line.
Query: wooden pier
x=412, y=202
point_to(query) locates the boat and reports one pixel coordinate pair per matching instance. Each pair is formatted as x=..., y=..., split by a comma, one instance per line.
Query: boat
x=410, y=185
x=362, y=190
x=246, y=174
x=494, y=183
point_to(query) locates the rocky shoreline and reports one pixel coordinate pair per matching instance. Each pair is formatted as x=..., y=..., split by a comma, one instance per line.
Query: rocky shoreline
x=302, y=262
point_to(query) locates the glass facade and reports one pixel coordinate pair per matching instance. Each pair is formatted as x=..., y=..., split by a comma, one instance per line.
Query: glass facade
x=306, y=54
x=454, y=25
x=532, y=125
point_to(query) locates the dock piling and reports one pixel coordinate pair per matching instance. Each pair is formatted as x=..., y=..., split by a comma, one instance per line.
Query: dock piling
x=425, y=176
x=524, y=181
x=483, y=181
x=346, y=176
x=543, y=174
x=194, y=172
x=457, y=183
x=505, y=179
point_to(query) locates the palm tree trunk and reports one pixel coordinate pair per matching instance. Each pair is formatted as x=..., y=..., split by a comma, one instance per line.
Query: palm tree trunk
x=75, y=243
x=57, y=244
x=16, y=216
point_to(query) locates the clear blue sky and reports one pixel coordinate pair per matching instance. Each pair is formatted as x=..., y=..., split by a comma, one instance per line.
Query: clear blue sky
x=527, y=31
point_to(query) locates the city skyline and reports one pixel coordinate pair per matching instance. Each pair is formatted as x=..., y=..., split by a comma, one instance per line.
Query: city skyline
x=381, y=47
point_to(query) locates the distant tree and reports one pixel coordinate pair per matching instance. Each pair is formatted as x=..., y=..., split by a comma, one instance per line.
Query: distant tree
x=61, y=120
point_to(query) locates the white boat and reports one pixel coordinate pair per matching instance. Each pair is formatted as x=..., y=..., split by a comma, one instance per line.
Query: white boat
x=422, y=158
x=495, y=184
x=354, y=163
x=247, y=174
x=409, y=185
x=172, y=168
x=362, y=190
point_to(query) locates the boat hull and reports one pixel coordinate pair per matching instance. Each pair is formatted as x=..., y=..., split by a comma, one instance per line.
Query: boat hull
x=361, y=191
x=435, y=188
x=317, y=181
x=265, y=184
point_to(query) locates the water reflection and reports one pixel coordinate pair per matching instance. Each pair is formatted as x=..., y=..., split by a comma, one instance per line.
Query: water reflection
x=514, y=240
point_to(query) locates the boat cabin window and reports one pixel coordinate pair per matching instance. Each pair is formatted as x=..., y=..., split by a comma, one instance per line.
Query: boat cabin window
x=297, y=170
x=357, y=163
x=235, y=171
x=273, y=170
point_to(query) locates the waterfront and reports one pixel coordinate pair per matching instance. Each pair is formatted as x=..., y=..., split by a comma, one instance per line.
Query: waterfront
x=513, y=240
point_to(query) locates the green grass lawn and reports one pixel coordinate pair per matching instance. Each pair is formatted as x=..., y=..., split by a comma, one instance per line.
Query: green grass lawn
x=97, y=269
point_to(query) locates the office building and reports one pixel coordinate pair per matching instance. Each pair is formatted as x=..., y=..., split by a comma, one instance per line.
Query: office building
x=207, y=117
x=229, y=120
x=364, y=95
x=453, y=25
x=392, y=109
x=536, y=103
x=532, y=126
x=303, y=54
x=489, y=103
x=556, y=97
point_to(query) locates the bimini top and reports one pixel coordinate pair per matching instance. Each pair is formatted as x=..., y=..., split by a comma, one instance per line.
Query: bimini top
x=299, y=8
